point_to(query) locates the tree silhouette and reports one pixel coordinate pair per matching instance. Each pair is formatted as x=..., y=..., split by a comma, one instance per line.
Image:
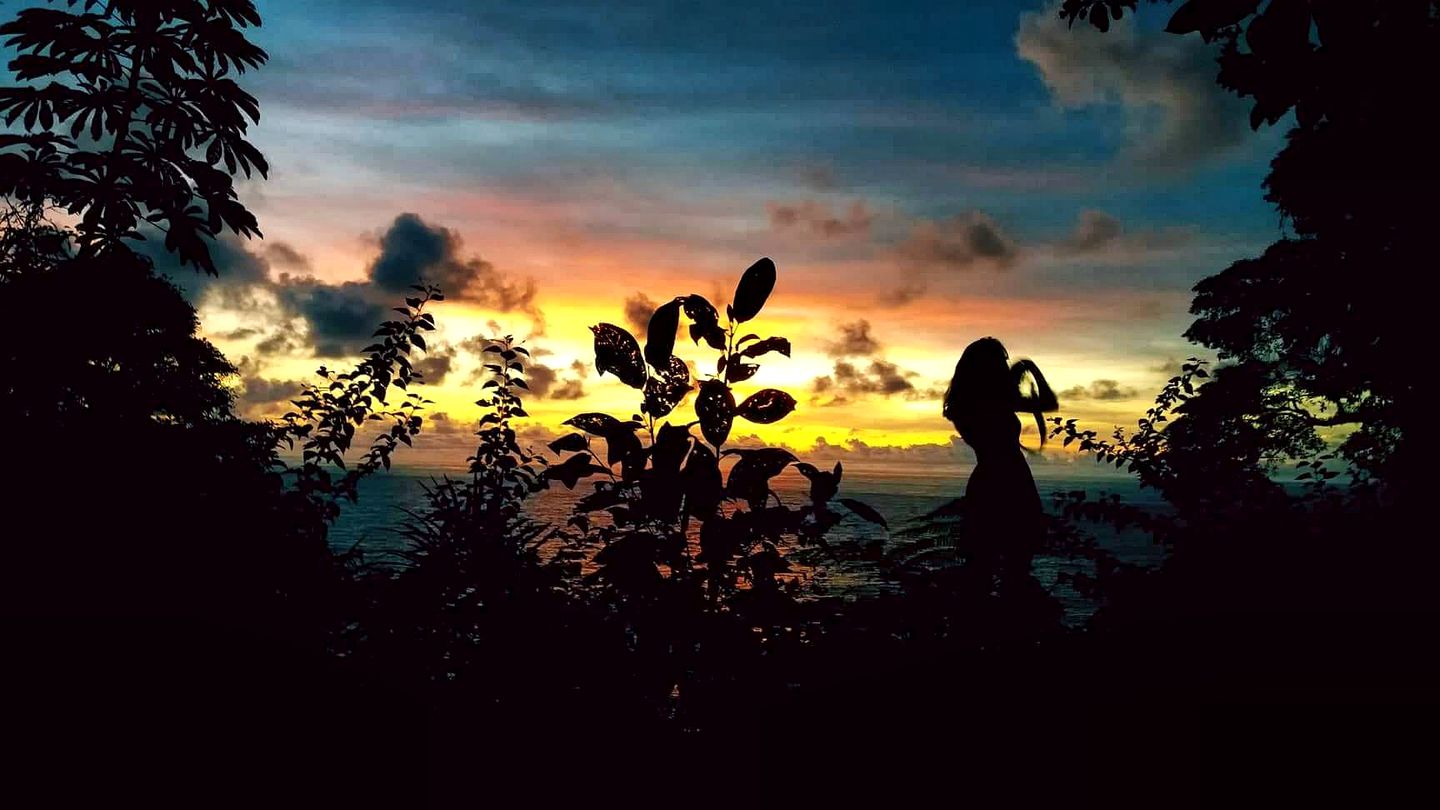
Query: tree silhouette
x=1321, y=320
x=132, y=119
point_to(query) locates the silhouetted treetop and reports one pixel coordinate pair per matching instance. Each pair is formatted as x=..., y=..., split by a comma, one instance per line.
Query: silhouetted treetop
x=132, y=119
x=1322, y=313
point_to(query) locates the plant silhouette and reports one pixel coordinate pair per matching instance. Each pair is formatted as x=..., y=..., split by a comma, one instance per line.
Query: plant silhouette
x=139, y=122
x=1315, y=319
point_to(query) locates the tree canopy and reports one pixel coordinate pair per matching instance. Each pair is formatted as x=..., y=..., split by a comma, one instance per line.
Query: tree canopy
x=131, y=119
x=1325, y=312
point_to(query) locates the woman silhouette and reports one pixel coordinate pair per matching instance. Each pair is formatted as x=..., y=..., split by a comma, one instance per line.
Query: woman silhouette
x=1004, y=523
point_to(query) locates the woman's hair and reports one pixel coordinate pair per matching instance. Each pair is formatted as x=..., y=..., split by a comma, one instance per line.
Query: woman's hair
x=985, y=381
x=982, y=379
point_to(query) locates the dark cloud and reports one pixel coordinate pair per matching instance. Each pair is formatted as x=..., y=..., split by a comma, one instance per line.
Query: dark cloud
x=242, y=333
x=342, y=317
x=819, y=220
x=904, y=294
x=818, y=177
x=1099, y=232
x=568, y=390
x=540, y=378
x=259, y=395
x=1169, y=367
x=437, y=364
x=412, y=251
x=237, y=269
x=1177, y=114
x=284, y=255
x=1104, y=390
x=440, y=423
x=546, y=383
x=1093, y=231
x=848, y=381
x=961, y=242
x=855, y=341
x=638, y=309
x=286, y=339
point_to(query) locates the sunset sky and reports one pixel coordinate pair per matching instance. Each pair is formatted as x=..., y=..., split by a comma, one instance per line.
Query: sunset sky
x=923, y=174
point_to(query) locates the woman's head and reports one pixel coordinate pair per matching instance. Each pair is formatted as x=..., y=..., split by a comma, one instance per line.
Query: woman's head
x=982, y=378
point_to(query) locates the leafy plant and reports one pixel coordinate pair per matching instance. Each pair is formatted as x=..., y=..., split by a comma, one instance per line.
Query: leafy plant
x=659, y=476
x=130, y=118
x=1316, y=313
x=328, y=414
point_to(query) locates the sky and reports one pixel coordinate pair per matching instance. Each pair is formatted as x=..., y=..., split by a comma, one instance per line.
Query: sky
x=922, y=174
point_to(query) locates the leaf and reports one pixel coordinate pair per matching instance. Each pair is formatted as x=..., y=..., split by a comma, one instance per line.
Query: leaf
x=713, y=335
x=739, y=372
x=865, y=511
x=750, y=477
x=1206, y=16
x=569, y=442
x=667, y=388
x=621, y=444
x=660, y=334
x=598, y=424
x=573, y=469
x=1100, y=17
x=754, y=288
x=705, y=322
x=770, y=344
x=617, y=351
x=671, y=445
x=702, y=482
x=823, y=484
x=766, y=406
x=715, y=406
x=699, y=311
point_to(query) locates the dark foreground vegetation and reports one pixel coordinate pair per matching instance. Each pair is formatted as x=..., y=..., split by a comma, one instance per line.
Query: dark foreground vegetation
x=175, y=627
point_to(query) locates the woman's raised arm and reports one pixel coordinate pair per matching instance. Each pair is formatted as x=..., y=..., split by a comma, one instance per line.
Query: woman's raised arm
x=1040, y=398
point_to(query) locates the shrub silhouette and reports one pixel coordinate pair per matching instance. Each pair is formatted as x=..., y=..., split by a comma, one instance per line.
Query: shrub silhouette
x=662, y=485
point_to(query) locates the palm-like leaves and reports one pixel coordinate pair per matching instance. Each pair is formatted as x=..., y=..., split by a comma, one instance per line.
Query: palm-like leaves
x=156, y=123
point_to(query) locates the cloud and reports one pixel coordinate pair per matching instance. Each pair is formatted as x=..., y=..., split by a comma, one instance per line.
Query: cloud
x=238, y=270
x=818, y=219
x=412, y=251
x=342, y=317
x=1097, y=232
x=1169, y=367
x=1093, y=231
x=638, y=309
x=440, y=423
x=818, y=177
x=258, y=395
x=848, y=381
x=959, y=243
x=546, y=383
x=437, y=364
x=283, y=254
x=1176, y=114
x=934, y=248
x=855, y=341
x=1103, y=390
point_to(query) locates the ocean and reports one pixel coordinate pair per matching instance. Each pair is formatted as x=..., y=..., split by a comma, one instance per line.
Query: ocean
x=903, y=492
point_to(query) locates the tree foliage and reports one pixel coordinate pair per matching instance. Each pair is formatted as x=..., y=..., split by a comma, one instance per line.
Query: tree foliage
x=1322, y=316
x=130, y=118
